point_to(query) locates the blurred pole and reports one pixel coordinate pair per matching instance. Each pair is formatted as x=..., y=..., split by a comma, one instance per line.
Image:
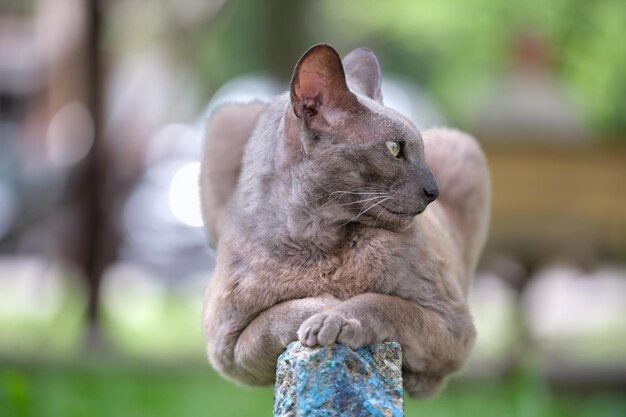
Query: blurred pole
x=96, y=230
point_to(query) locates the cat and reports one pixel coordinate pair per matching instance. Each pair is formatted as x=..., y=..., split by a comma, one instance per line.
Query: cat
x=346, y=225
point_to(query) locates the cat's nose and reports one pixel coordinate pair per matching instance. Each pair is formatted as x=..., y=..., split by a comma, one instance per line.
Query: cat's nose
x=431, y=192
x=428, y=183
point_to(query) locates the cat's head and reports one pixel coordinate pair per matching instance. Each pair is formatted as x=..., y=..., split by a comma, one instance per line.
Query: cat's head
x=363, y=161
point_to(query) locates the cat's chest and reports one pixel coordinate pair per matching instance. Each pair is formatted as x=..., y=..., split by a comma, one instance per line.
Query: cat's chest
x=365, y=266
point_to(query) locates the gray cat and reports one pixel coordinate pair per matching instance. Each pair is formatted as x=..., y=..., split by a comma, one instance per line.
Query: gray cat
x=332, y=233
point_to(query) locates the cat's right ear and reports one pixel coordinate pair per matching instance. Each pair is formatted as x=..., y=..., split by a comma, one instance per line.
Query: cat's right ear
x=318, y=85
x=363, y=73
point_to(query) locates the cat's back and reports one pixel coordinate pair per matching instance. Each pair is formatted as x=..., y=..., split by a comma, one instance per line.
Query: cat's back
x=228, y=130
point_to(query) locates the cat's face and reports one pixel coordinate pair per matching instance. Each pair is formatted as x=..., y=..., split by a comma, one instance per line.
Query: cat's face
x=364, y=162
x=370, y=170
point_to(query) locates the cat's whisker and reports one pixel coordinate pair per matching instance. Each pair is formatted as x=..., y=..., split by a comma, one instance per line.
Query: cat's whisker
x=364, y=211
x=363, y=188
x=341, y=194
x=371, y=207
x=377, y=217
x=357, y=192
x=357, y=189
x=329, y=201
x=363, y=201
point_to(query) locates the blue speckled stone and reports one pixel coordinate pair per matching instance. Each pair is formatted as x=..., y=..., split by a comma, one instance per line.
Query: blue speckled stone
x=338, y=381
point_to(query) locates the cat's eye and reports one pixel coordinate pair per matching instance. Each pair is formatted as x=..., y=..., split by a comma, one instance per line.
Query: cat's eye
x=394, y=147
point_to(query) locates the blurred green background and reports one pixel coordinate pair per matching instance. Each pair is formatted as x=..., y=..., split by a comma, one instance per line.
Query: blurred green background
x=103, y=259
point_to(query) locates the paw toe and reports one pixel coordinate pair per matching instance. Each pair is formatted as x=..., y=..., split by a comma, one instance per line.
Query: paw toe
x=352, y=334
x=329, y=330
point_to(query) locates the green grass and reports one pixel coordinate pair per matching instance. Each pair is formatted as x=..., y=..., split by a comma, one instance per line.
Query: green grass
x=118, y=388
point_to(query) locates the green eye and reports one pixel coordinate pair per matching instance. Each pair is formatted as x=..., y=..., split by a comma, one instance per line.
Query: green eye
x=394, y=147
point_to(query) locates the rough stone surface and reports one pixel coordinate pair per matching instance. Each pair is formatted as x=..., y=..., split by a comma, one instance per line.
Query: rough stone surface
x=338, y=381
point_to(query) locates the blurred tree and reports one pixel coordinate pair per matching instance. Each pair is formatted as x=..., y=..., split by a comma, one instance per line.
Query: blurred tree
x=98, y=233
x=247, y=36
x=452, y=47
x=469, y=43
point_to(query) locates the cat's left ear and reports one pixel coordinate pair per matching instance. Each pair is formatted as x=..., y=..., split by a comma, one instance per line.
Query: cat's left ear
x=319, y=85
x=363, y=73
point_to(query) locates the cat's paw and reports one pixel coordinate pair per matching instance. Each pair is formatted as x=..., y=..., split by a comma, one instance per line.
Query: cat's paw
x=329, y=327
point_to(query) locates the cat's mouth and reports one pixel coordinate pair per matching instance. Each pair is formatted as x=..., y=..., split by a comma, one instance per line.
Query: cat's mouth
x=411, y=213
x=395, y=219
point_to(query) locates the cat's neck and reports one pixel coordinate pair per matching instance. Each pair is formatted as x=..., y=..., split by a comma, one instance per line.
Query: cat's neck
x=315, y=234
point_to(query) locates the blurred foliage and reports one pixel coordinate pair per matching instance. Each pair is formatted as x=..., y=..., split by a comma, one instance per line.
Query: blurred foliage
x=56, y=334
x=116, y=389
x=454, y=48
x=167, y=329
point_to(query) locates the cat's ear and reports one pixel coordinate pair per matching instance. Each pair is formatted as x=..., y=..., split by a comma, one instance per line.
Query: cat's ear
x=363, y=73
x=319, y=84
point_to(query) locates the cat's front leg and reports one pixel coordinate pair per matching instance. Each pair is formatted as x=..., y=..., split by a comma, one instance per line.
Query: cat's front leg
x=248, y=352
x=435, y=340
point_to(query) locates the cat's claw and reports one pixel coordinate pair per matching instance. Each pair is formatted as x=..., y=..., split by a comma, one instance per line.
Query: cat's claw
x=329, y=327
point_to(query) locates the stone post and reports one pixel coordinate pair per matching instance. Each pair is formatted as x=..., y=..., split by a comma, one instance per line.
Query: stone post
x=334, y=381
